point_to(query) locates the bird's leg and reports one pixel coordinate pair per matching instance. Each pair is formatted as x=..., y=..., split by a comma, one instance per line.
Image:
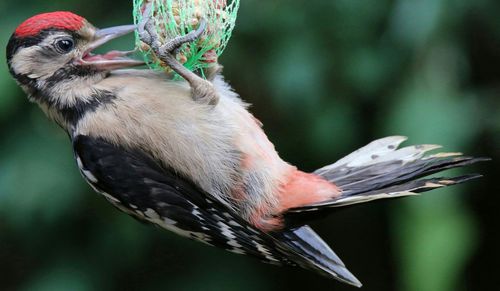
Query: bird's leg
x=202, y=90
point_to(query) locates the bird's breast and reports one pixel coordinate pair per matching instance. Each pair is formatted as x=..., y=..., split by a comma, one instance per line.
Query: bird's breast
x=221, y=148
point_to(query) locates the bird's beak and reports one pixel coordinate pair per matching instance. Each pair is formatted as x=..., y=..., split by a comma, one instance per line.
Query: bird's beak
x=112, y=60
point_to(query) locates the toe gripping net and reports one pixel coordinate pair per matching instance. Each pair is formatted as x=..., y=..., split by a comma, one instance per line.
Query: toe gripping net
x=174, y=18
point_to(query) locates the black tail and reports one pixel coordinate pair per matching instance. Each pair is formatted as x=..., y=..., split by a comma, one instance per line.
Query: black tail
x=381, y=170
x=305, y=248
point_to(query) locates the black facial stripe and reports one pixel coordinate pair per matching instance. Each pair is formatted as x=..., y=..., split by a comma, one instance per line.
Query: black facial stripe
x=72, y=114
x=25, y=80
x=69, y=70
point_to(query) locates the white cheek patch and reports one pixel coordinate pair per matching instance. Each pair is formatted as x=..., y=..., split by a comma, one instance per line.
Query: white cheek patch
x=22, y=62
x=36, y=62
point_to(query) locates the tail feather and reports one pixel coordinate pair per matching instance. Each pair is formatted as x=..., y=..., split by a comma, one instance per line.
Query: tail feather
x=381, y=170
x=410, y=188
x=378, y=176
x=377, y=148
x=309, y=251
x=377, y=171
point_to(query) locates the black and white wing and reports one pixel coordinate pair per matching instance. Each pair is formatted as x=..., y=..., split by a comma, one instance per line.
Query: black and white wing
x=139, y=186
x=136, y=184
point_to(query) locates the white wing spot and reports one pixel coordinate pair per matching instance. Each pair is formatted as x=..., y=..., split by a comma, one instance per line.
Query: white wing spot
x=87, y=174
x=234, y=223
x=79, y=162
x=229, y=234
x=234, y=243
x=197, y=213
x=169, y=221
x=263, y=250
x=226, y=231
x=169, y=224
x=151, y=214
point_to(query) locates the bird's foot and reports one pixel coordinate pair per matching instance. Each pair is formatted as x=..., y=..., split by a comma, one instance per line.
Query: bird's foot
x=202, y=90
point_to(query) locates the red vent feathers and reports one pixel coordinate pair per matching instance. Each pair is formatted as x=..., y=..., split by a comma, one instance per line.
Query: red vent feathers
x=59, y=19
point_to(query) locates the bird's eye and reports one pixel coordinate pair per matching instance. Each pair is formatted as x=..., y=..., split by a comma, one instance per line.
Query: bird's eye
x=65, y=45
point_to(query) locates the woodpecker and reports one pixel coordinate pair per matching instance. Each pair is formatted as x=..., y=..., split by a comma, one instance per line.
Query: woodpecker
x=187, y=156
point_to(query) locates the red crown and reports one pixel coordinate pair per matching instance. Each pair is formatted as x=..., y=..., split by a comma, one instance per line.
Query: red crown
x=59, y=19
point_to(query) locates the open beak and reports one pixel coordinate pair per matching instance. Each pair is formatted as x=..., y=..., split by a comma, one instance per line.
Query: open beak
x=112, y=60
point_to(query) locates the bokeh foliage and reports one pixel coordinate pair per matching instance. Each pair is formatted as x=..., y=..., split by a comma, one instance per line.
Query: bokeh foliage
x=325, y=77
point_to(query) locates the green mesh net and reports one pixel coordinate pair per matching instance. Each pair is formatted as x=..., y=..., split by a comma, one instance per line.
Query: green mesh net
x=179, y=17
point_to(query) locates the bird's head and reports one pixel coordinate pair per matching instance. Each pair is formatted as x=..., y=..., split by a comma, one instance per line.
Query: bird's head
x=50, y=56
x=47, y=43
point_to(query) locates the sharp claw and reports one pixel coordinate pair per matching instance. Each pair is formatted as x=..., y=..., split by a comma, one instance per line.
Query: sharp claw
x=148, y=34
x=194, y=34
x=173, y=45
x=203, y=91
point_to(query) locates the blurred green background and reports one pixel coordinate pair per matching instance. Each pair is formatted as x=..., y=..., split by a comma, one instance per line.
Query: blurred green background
x=325, y=77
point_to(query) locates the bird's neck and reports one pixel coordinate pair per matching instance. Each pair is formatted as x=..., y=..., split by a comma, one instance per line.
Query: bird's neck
x=67, y=100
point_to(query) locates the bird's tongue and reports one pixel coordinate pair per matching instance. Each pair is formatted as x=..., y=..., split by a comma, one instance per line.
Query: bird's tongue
x=112, y=55
x=112, y=60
